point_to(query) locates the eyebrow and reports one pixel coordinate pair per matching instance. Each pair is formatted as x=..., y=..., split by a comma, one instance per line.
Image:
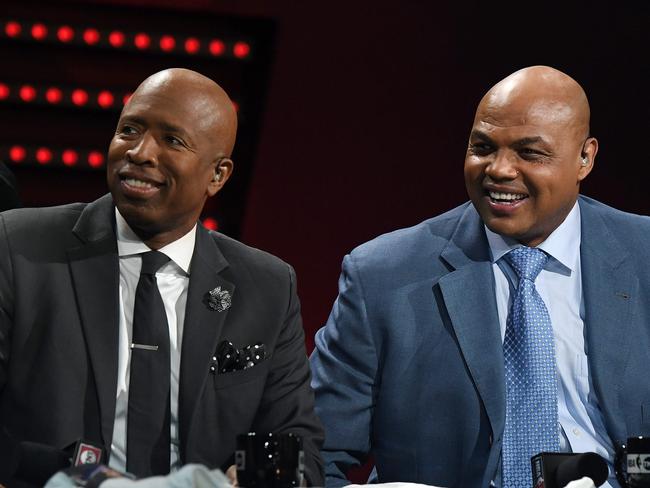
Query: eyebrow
x=524, y=141
x=163, y=125
x=173, y=128
x=480, y=135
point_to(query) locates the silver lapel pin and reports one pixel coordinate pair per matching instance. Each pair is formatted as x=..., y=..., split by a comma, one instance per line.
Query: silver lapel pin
x=219, y=299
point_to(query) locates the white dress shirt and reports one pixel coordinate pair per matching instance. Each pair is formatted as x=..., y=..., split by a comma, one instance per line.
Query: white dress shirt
x=582, y=427
x=173, y=281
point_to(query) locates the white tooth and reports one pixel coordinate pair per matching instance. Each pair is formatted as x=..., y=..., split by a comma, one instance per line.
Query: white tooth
x=138, y=183
x=506, y=196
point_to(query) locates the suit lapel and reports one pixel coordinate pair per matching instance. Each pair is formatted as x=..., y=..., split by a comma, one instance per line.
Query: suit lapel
x=94, y=267
x=202, y=327
x=610, y=289
x=468, y=293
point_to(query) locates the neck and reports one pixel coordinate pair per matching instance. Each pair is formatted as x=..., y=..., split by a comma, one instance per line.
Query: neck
x=161, y=239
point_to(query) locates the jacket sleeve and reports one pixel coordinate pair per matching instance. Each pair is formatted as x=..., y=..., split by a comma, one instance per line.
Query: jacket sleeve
x=6, y=302
x=345, y=368
x=288, y=401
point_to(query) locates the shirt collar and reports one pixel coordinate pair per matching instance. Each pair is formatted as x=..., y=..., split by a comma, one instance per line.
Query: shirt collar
x=563, y=245
x=128, y=243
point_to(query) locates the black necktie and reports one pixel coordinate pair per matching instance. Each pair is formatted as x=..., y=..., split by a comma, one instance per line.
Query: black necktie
x=148, y=439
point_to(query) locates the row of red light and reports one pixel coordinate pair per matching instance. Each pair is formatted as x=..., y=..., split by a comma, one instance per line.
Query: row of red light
x=55, y=95
x=47, y=156
x=117, y=39
x=78, y=97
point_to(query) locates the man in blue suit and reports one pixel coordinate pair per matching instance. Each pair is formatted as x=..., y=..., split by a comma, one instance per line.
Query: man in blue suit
x=411, y=368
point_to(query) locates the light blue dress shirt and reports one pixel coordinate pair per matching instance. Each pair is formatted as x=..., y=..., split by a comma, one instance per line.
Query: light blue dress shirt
x=582, y=427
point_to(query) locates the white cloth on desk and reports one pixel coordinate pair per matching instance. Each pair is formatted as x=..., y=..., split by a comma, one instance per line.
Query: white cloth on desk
x=581, y=483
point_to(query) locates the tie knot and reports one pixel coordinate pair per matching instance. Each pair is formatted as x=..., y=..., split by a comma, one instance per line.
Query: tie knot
x=152, y=261
x=527, y=262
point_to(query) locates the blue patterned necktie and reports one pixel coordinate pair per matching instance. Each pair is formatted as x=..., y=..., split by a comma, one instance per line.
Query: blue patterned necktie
x=531, y=381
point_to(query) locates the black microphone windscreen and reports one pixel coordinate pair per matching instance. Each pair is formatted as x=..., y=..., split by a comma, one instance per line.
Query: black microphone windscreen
x=587, y=464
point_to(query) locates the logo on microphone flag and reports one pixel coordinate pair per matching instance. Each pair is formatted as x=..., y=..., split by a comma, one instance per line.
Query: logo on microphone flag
x=87, y=454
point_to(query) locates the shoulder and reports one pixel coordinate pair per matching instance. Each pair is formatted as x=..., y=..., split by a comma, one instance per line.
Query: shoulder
x=630, y=231
x=36, y=221
x=40, y=234
x=240, y=255
x=402, y=246
x=619, y=221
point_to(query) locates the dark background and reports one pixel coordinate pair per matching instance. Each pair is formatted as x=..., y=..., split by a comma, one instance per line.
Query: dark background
x=364, y=120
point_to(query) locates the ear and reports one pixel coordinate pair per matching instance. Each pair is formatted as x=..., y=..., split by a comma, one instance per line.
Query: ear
x=587, y=157
x=222, y=170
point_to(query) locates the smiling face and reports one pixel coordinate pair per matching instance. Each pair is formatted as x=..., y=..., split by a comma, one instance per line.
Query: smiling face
x=170, y=153
x=524, y=162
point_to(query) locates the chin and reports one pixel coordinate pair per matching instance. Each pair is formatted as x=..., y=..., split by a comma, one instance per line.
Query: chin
x=139, y=217
x=505, y=229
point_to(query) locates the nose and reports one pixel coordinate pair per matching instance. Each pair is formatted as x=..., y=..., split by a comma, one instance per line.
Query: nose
x=145, y=151
x=503, y=167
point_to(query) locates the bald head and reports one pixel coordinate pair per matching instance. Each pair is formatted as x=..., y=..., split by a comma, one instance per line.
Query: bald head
x=537, y=93
x=205, y=99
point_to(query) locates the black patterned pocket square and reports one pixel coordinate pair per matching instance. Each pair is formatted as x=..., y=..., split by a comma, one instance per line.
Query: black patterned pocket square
x=228, y=358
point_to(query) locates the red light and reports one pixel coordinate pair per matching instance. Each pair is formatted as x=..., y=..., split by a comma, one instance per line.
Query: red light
x=217, y=47
x=53, y=95
x=79, y=97
x=65, y=33
x=236, y=106
x=43, y=155
x=105, y=99
x=192, y=45
x=142, y=41
x=27, y=93
x=126, y=98
x=95, y=159
x=91, y=36
x=116, y=39
x=69, y=157
x=241, y=49
x=4, y=91
x=12, y=29
x=39, y=31
x=17, y=153
x=167, y=43
x=210, y=223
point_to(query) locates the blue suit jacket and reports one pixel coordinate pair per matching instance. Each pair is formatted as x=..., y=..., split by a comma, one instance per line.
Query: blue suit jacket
x=409, y=367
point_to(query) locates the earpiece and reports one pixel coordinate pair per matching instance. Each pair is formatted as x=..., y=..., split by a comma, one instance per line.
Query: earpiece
x=217, y=176
x=585, y=160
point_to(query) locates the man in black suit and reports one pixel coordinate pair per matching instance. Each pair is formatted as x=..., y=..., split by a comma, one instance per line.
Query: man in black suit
x=69, y=277
x=8, y=194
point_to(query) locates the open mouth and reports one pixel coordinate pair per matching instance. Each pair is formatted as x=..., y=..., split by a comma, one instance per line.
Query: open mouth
x=139, y=188
x=506, y=198
x=140, y=184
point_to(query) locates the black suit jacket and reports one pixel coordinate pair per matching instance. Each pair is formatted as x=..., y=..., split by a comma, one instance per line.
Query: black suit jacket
x=8, y=192
x=59, y=275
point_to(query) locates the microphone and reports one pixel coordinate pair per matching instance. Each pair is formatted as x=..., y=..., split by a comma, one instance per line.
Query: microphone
x=556, y=470
x=35, y=463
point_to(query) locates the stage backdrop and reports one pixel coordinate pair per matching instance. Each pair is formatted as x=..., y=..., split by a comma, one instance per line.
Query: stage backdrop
x=368, y=106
